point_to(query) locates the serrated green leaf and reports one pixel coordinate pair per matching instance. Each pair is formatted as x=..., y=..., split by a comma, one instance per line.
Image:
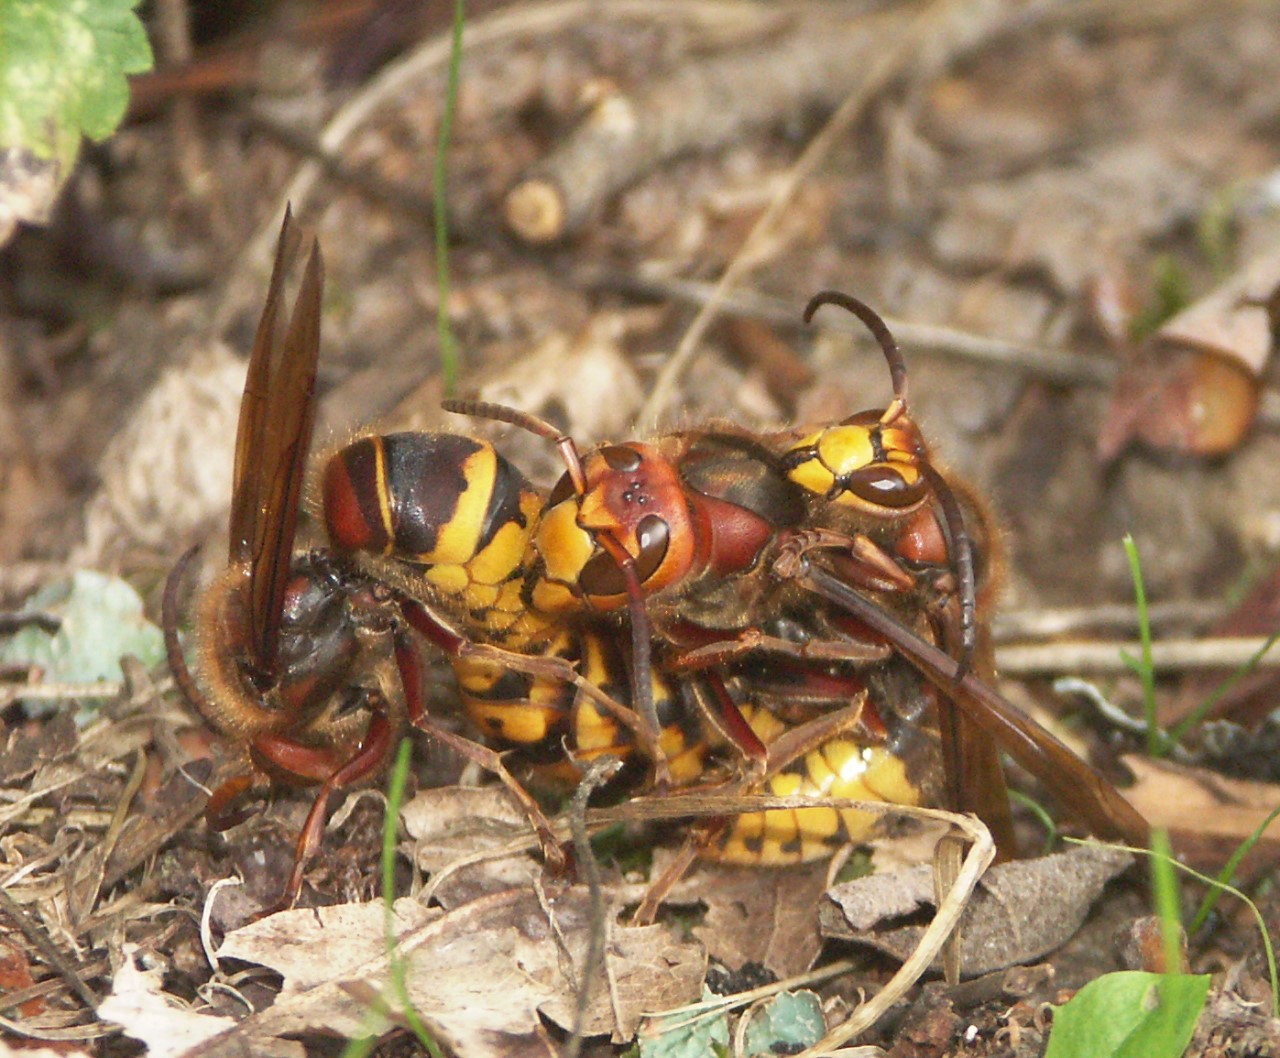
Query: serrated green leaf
x=1129, y=1015
x=63, y=65
x=787, y=1023
x=102, y=620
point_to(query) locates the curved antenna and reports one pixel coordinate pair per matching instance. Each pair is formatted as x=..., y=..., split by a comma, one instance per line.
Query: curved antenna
x=880, y=332
x=483, y=409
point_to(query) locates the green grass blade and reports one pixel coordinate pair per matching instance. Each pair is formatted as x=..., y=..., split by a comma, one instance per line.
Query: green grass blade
x=448, y=344
x=1157, y=743
x=1222, y=882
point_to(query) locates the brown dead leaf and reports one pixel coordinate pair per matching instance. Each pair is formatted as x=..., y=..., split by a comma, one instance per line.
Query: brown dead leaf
x=1198, y=801
x=453, y=827
x=762, y=916
x=26, y=749
x=1192, y=387
x=479, y=976
x=1020, y=911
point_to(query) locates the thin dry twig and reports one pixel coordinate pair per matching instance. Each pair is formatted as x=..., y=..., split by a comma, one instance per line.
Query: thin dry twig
x=1018, y=625
x=942, y=32
x=40, y=941
x=1058, y=366
x=597, y=774
x=701, y=104
x=432, y=59
x=1169, y=655
x=981, y=852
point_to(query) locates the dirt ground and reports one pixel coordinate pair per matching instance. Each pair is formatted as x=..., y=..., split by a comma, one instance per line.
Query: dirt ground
x=1024, y=191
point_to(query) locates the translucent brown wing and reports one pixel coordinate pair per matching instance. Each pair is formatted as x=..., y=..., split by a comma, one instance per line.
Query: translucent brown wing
x=1073, y=783
x=273, y=439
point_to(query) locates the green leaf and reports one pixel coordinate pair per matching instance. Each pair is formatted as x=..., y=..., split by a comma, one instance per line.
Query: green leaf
x=1129, y=1015
x=62, y=72
x=102, y=620
x=787, y=1023
x=685, y=1034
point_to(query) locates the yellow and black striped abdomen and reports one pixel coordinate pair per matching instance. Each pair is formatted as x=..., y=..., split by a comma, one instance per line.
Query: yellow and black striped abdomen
x=448, y=506
x=841, y=767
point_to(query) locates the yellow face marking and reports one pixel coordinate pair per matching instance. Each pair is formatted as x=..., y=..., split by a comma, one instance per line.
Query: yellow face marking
x=564, y=545
x=812, y=475
x=846, y=448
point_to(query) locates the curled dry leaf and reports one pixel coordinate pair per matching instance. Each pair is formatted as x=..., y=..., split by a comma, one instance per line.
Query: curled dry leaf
x=1197, y=799
x=480, y=976
x=471, y=840
x=162, y=1022
x=1192, y=387
x=1019, y=912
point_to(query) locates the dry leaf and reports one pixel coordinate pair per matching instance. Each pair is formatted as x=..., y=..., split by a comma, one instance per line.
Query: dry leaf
x=1020, y=911
x=479, y=976
x=138, y=1004
x=1199, y=801
x=1192, y=387
x=455, y=824
x=759, y=915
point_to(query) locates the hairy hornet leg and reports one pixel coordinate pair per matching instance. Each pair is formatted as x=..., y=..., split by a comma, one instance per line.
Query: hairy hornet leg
x=753, y=641
x=456, y=647
x=283, y=754
x=368, y=758
x=1082, y=790
x=650, y=728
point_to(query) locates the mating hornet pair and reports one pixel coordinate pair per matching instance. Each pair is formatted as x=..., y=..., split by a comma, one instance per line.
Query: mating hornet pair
x=798, y=609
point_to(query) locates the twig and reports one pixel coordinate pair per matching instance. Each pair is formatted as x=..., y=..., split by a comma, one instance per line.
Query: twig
x=599, y=772
x=933, y=39
x=1169, y=655
x=1059, y=366
x=1121, y=617
x=48, y=952
x=703, y=104
x=979, y=857
x=80, y=901
x=56, y=692
x=431, y=59
x=173, y=33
